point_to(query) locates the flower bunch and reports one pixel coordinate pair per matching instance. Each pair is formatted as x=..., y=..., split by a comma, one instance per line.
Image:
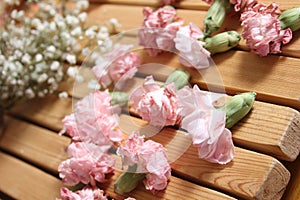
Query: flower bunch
x=36, y=44
x=162, y=30
x=85, y=193
x=148, y=159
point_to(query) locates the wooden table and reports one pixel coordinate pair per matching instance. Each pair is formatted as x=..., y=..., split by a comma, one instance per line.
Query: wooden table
x=266, y=165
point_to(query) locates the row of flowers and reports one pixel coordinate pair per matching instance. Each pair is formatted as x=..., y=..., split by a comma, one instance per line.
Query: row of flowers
x=265, y=27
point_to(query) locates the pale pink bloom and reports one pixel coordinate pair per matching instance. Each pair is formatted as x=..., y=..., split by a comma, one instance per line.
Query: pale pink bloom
x=191, y=49
x=156, y=105
x=87, y=163
x=87, y=193
x=206, y=125
x=150, y=158
x=94, y=121
x=262, y=29
x=130, y=198
x=243, y=5
x=117, y=65
x=159, y=29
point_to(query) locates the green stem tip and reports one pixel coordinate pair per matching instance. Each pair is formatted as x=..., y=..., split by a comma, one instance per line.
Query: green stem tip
x=179, y=77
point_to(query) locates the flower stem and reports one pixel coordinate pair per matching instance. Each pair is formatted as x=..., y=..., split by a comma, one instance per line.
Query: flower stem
x=290, y=19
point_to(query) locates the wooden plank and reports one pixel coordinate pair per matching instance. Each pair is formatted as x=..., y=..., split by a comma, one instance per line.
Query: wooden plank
x=191, y=4
x=103, y=12
x=34, y=143
x=46, y=149
x=23, y=181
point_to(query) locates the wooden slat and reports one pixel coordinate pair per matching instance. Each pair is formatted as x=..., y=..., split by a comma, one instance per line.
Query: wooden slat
x=34, y=143
x=191, y=4
x=23, y=181
x=102, y=12
x=46, y=149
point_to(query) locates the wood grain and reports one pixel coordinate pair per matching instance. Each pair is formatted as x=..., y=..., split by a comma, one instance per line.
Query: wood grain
x=191, y=4
x=34, y=143
x=103, y=12
x=46, y=149
x=23, y=181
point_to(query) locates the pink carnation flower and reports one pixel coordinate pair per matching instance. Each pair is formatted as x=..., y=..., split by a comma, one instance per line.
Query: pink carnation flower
x=87, y=163
x=156, y=105
x=159, y=29
x=93, y=120
x=117, y=66
x=86, y=193
x=150, y=158
x=191, y=49
x=262, y=29
x=243, y=5
x=206, y=125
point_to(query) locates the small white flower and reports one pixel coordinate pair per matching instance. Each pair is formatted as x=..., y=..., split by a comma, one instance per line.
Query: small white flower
x=94, y=85
x=91, y=32
x=82, y=16
x=41, y=94
x=72, y=71
x=29, y=93
x=38, y=57
x=63, y=95
x=51, y=49
x=72, y=20
x=26, y=58
x=76, y=31
x=2, y=59
x=115, y=22
x=54, y=66
x=82, y=5
x=42, y=78
x=70, y=58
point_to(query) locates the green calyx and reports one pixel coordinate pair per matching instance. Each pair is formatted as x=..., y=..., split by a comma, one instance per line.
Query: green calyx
x=238, y=107
x=222, y=42
x=290, y=19
x=216, y=15
x=179, y=77
x=120, y=98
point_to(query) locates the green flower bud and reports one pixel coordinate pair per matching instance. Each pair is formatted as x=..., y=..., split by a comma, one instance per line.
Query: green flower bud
x=290, y=19
x=179, y=77
x=128, y=181
x=120, y=98
x=238, y=107
x=222, y=42
x=215, y=16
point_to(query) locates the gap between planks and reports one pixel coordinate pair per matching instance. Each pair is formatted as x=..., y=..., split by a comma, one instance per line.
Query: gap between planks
x=250, y=175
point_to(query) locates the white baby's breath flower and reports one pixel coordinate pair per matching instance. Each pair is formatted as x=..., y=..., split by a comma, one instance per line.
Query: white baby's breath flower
x=77, y=31
x=51, y=49
x=54, y=66
x=70, y=58
x=82, y=4
x=82, y=16
x=29, y=93
x=63, y=95
x=85, y=51
x=38, y=58
x=94, y=85
x=115, y=22
x=26, y=58
x=12, y=2
x=72, y=71
x=42, y=78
